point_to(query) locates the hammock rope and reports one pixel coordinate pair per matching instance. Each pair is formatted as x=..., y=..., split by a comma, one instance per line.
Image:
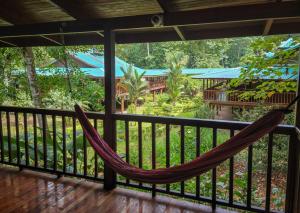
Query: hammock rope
x=209, y=160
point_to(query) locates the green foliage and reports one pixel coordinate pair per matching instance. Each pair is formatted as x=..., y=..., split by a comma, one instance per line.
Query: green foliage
x=205, y=53
x=135, y=83
x=59, y=99
x=259, y=66
x=176, y=62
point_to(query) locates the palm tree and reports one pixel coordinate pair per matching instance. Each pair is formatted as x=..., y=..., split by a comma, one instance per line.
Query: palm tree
x=134, y=83
x=176, y=62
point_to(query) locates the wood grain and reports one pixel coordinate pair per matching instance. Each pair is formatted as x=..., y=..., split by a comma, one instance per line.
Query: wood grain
x=29, y=191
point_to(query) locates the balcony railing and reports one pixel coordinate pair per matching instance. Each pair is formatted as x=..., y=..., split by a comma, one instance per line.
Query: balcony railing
x=222, y=97
x=52, y=141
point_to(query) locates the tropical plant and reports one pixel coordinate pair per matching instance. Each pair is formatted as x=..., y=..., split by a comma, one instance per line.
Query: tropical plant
x=134, y=83
x=59, y=99
x=270, y=59
x=176, y=62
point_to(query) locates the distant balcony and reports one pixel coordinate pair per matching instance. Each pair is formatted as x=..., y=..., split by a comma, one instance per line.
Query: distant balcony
x=222, y=98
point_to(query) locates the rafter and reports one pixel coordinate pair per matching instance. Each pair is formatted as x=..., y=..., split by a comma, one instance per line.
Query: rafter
x=52, y=40
x=100, y=34
x=9, y=43
x=268, y=27
x=163, y=5
x=73, y=9
x=179, y=33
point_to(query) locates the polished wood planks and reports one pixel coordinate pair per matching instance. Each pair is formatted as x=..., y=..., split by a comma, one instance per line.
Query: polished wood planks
x=28, y=191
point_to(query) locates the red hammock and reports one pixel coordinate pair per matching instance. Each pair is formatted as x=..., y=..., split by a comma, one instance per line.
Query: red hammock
x=205, y=162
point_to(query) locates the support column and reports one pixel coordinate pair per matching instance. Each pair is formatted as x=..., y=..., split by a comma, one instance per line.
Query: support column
x=297, y=124
x=110, y=103
x=293, y=182
x=122, y=104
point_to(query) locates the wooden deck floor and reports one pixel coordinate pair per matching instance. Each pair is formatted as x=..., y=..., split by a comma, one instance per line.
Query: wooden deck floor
x=28, y=191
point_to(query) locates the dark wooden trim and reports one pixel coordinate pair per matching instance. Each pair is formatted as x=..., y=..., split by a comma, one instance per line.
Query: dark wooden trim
x=268, y=26
x=57, y=112
x=110, y=103
x=297, y=116
x=179, y=33
x=220, y=124
x=292, y=185
x=69, y=8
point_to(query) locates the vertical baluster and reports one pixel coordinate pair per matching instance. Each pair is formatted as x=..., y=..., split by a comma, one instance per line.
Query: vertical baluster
x=74, y=145
x=64, y=143
x=182, y=155
x=8, y=136
x=44, y=132
x=214, y=173
x=291, y=197
x=197, y=155
x=249, y=178
x=140, y=146
x=84, y=156
x=269, y=172
x=231, y=173
x=95, y=154
x=54, y=143
x=168, y=151
x=1, y=139
x=17, y=137
x=26, y=139
x=127, y=146
x=36, y=160
x=153, y=155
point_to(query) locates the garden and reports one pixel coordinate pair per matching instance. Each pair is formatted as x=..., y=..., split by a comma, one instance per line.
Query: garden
x=183, y=98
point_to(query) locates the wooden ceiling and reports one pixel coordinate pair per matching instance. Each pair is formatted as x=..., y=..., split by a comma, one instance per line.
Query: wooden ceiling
x=79, y=22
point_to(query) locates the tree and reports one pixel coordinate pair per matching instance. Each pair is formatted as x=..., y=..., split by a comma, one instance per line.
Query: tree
x=135, y=83
x=10, y=61
x=31, y=75
x=269, y=59
x=176, y=62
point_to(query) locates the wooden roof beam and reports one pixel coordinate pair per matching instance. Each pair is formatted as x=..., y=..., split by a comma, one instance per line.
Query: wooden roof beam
x=179, y=33
x=163, y=5
x=268, y=27
x=8, y=43
x=289, y=9
x=74, y=9
x=100, y=34
x=68, y=7
x=52, y=40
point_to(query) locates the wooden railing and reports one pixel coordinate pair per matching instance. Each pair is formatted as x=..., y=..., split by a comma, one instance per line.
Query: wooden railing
x=52, y=141
x=153, y=86
x=218, y=96
x=157, y=85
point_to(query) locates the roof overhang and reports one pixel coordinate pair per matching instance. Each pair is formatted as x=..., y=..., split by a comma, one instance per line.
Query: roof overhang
x=218, y=22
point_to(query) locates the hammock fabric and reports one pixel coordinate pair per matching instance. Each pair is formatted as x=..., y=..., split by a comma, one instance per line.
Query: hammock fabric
x=205, y=162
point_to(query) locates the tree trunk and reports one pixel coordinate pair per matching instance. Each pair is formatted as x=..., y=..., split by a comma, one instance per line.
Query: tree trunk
x=31, y=75
x=68, y=76
x=32, y=80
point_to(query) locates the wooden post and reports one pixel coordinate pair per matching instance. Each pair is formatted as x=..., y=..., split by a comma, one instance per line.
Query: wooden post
x=293, y=182
x=153, y=96
x=297, y=118
x=122, y=104
x=110, y=103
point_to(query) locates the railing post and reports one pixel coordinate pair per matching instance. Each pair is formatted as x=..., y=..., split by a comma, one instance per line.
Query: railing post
x=110, y=102
x=292, y=188
x=293, y=182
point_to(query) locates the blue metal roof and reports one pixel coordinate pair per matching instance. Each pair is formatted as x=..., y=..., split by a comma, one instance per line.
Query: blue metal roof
x=230, y=73
x=96, y=61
